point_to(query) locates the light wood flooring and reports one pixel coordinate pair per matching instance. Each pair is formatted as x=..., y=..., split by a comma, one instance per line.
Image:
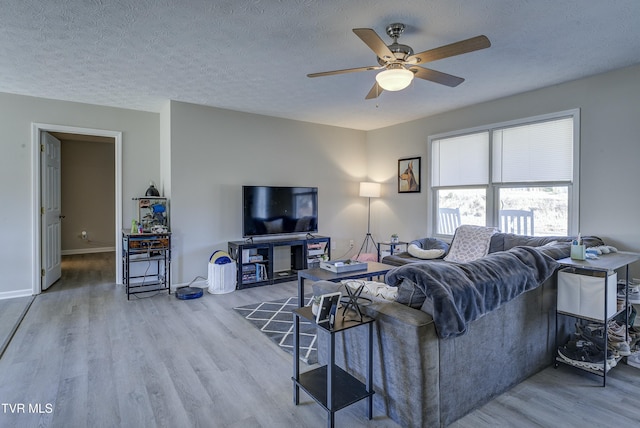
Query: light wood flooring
x=85, y=356
x=11, y=313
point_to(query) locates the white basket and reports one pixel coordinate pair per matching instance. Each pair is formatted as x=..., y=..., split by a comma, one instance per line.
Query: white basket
x=582, y=294
x=222, y=278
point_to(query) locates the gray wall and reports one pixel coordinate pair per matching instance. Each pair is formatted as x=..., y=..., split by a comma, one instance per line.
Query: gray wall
x=17, y=113
x=214, y=152
x=88, y=196
x=210, y=153
x=609, y=154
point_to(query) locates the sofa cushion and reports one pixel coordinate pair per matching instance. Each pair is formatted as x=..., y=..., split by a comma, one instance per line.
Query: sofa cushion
x=400, y=259
x=470, y=243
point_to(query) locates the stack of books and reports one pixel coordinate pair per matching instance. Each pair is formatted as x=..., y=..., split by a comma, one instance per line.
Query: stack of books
x=254, y=272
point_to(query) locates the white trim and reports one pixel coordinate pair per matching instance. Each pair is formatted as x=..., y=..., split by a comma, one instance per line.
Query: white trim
x=88, y=251
x=36, y=130
x=15, y=293
x=574, y=188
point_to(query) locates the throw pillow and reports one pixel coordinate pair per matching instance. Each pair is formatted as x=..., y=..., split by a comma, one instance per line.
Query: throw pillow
x=470, y=243
x=418, y=252
x=410, y=295
x=431, y=244
x=373, y=289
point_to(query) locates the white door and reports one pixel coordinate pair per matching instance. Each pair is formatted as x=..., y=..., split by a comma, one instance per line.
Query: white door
x=50, y=210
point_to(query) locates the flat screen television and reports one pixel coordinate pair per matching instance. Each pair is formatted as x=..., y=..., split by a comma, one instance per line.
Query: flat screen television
x=270, y=210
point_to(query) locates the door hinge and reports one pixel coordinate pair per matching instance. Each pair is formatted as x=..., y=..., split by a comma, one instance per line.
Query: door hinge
x=42, y=272
x=42, y=148
x=41, y=210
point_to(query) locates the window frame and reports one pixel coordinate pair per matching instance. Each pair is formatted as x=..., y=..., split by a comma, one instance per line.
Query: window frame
x=492, y=189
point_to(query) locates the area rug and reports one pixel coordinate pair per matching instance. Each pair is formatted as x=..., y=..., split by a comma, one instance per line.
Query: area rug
x=275, y=319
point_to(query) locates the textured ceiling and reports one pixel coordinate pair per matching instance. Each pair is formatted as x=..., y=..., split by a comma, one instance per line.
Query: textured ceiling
x=253, y=55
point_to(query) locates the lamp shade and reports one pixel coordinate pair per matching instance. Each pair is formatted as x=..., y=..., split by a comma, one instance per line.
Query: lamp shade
x=369, y=190
x=394, y=79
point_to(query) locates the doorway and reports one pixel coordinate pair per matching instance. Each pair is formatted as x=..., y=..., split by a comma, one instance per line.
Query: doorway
x=38, y=192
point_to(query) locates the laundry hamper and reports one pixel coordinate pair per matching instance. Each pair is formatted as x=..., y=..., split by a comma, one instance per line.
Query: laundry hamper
x=222, y=274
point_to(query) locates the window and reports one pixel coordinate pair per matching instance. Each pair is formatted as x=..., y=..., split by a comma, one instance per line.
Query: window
x=519, y=176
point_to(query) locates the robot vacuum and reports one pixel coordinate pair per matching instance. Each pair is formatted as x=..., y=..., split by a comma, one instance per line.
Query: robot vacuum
x=188, y=293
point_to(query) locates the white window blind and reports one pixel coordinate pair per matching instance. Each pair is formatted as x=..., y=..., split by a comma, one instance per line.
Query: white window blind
x=460, y=161
x=537, y=152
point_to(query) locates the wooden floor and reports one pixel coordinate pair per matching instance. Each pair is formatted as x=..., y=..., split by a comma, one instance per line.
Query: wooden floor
x=85, y=356
x=12, y=312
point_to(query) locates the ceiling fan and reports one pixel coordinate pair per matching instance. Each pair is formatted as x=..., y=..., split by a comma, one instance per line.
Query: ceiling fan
x=400, y=64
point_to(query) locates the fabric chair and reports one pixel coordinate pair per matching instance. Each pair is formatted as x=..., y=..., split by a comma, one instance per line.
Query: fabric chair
x=448, y=220
x=519, y=222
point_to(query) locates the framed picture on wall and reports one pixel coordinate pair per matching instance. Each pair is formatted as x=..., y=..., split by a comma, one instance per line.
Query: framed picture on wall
x=409, y=175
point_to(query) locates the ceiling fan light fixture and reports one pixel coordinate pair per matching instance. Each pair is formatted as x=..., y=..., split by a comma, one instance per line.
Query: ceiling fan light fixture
x=394, y=79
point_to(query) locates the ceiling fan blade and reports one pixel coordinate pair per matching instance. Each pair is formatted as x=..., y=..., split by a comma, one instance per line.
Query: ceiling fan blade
x=457, y=48
x=374, y=92
x=347, y=70
x=375, y=43
x=436, y=76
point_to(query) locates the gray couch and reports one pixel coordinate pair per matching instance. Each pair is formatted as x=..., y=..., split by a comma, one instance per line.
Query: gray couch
x=422, y=380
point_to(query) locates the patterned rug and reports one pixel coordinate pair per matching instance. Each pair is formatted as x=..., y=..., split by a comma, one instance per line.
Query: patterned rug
x=275, y=319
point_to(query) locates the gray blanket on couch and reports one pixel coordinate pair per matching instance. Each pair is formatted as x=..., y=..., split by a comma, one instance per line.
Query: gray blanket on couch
x=457, y=293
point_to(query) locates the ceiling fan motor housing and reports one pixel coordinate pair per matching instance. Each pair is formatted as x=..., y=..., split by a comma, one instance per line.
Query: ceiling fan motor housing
x=400, y=51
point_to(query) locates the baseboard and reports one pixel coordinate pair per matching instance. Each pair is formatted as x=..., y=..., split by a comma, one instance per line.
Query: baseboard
x=87, y=251
x=16, y=293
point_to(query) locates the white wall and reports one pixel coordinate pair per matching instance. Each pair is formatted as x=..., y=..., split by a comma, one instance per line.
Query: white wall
x=609, y=160
x=140, y=164
x=214, y=152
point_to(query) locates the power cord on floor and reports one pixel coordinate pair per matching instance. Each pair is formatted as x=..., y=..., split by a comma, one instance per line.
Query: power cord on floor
x=192, y=281
x=144, y=278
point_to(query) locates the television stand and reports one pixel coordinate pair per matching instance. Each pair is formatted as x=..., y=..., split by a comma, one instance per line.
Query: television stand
x=271, y=261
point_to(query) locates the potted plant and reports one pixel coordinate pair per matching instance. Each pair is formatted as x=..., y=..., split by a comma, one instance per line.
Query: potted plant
x=315, y=304
x=394, y=238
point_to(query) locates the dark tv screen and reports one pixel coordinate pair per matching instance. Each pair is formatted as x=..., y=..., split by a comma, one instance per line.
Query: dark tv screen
x=269, y=210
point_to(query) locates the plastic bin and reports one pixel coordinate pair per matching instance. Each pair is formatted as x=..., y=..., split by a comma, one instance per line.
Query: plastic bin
x=222, y=278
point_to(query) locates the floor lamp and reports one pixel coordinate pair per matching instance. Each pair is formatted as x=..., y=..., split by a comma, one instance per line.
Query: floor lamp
x=368, y=190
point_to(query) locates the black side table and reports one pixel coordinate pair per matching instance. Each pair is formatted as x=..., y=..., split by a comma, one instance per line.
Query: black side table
x=392, y=247
x=331, y=386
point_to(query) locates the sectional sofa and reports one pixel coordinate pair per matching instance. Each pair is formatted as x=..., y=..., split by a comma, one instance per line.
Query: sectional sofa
x=424, y=380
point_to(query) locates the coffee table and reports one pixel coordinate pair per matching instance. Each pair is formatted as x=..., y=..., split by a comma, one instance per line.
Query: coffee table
x=319, y=274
